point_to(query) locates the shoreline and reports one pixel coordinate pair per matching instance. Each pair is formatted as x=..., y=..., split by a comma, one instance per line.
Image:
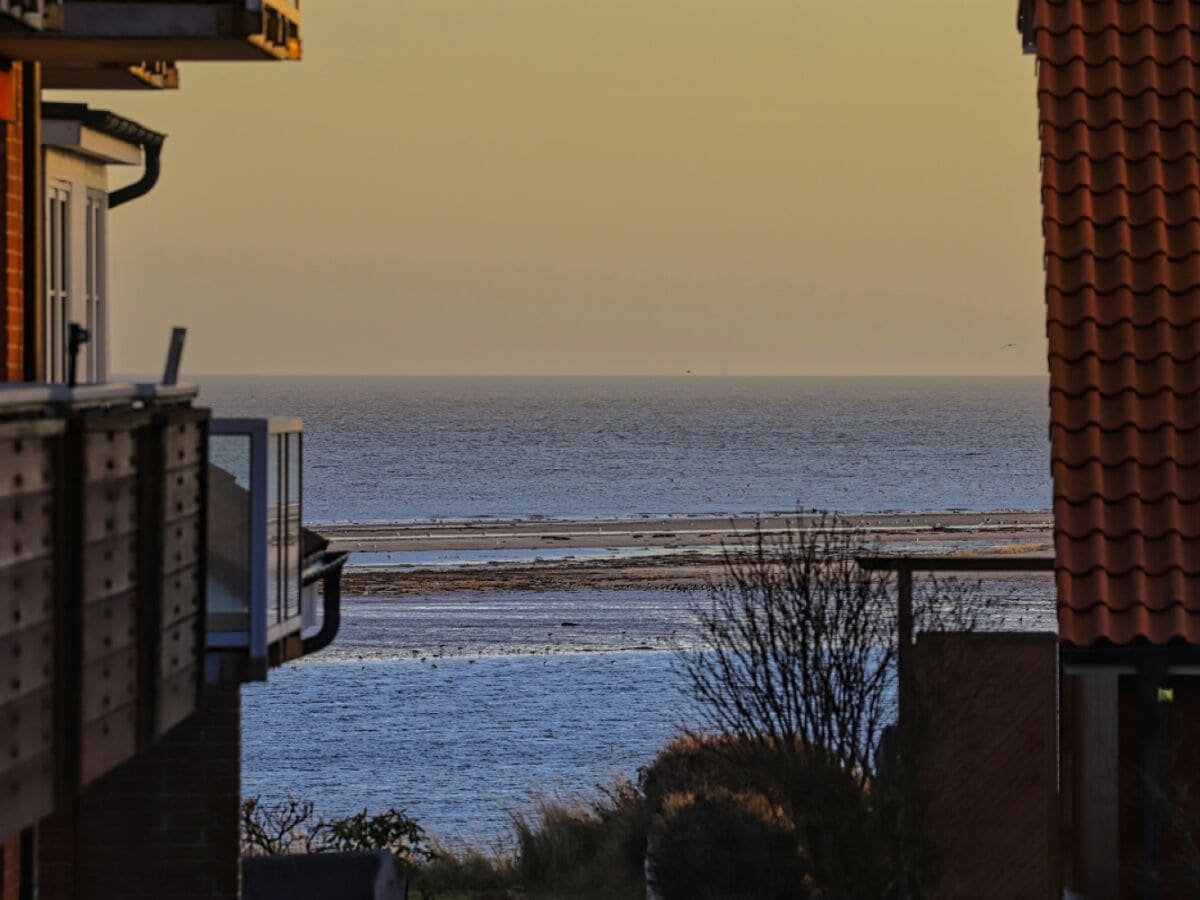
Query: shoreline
x=653, y=531
x=688, y=557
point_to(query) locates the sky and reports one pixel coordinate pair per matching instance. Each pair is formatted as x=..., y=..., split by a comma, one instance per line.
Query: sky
x=596, y=186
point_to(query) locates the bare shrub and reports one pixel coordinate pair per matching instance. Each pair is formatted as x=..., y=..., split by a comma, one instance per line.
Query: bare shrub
x=796, y=675
x=289, y=826
x=292, y=826
x=798, y=648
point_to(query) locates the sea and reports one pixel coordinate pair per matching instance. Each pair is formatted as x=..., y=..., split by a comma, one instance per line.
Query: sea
x=467, y=709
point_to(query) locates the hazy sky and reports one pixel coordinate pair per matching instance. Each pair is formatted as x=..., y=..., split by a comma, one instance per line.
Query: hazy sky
x=607, y=186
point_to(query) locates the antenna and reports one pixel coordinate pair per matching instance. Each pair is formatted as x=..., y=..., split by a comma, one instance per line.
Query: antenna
x=174, y=355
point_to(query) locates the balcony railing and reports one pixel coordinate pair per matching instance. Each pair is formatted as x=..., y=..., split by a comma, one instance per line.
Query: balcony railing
x=103, y=506
x=127, y=32
x=257, y=607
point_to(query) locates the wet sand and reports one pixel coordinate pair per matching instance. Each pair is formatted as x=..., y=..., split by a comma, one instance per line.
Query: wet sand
x=690, y=548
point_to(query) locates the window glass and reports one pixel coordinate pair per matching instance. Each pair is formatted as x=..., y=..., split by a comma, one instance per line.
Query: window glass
x=229, y=532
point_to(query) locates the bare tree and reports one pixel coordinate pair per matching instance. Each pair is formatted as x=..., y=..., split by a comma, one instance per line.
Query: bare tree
x=798, y=647
x=797, y=662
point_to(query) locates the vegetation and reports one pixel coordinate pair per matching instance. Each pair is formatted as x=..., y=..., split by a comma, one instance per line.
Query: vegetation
x=291, y=826
x=797, y=671
x=799, y=786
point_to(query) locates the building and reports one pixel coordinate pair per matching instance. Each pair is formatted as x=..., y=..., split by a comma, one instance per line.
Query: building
x=1100, y=729
x=152, y=559
x=1119, y=125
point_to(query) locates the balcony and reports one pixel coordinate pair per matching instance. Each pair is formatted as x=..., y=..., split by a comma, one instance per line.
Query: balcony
x=110, y=76
x=263, y=565
x=102, y=524
x=129, y=32
x=28, y=14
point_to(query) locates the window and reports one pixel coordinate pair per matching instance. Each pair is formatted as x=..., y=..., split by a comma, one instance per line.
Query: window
x=58, y=278
x=95, y=286
x=76, y=248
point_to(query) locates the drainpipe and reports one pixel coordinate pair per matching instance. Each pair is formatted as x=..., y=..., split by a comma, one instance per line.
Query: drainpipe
x=122, y=129
x=152, y=151
x=329, y=572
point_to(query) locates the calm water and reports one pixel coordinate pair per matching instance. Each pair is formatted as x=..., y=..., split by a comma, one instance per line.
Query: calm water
x=462, y=707
x=387, y=449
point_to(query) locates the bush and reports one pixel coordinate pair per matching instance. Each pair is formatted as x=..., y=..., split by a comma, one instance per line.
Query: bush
x=291, y=826
x=391, y=830
x=470, y=869
x=718, y=845
x=597, y=850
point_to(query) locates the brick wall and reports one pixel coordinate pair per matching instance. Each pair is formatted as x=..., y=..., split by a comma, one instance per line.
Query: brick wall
x=10, y=869
x=162, y=825
x=990, y=770
x=13, y=255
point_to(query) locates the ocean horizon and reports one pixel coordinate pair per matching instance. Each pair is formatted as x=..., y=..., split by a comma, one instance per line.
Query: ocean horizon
x=414, y=448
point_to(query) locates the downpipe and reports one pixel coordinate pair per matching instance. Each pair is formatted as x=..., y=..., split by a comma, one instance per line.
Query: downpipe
x=329, y=572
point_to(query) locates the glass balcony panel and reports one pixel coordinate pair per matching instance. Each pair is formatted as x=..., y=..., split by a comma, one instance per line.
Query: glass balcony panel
x=293, y=562
x=229, y=486
x=260, y=608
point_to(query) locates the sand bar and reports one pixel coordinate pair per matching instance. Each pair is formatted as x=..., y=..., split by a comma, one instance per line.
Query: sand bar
x=687, y=560
x=699, y=531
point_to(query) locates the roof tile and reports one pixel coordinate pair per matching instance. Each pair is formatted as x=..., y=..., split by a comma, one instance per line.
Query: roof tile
x=1151, y=139
x=1165, y=446
x=1134, y=533
x=1151, y=483
x=1119, y=113
x=1124, y=351
x=1118, y=173
x=1121, y=305
x=1171, y=207
x=1073, y=378
x=1129, y=17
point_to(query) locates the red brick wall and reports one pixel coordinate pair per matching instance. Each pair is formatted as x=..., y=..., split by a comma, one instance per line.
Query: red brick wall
x=13, y=255
x=989, y=764
x=10, y=869
x=162, y=825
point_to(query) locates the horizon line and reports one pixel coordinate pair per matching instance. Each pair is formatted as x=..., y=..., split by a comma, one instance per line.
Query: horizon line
x=190, y=376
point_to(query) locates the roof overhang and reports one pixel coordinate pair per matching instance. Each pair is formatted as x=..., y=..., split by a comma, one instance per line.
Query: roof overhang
x=95, y=133
x=126, y=31
x=75, y=137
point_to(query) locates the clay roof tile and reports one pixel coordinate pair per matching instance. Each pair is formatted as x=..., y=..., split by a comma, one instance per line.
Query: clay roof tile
x=1119, y=119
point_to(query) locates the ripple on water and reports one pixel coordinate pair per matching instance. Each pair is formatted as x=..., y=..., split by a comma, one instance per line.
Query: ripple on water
x=459, y=746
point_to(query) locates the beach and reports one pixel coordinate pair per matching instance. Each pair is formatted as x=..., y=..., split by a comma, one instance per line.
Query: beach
x=673, y=553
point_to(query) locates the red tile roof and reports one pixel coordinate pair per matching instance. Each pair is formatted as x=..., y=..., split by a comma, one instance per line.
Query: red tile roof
x=1119, y=104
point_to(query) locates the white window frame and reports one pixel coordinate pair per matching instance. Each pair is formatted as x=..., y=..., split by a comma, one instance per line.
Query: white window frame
x=59, y=272
x=76, y=261
x=96, y=284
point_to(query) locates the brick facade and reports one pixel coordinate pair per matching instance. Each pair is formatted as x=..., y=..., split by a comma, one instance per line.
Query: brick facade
x=10, y=869
x=990, y=770
x=13, y=319
x=163, y=825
